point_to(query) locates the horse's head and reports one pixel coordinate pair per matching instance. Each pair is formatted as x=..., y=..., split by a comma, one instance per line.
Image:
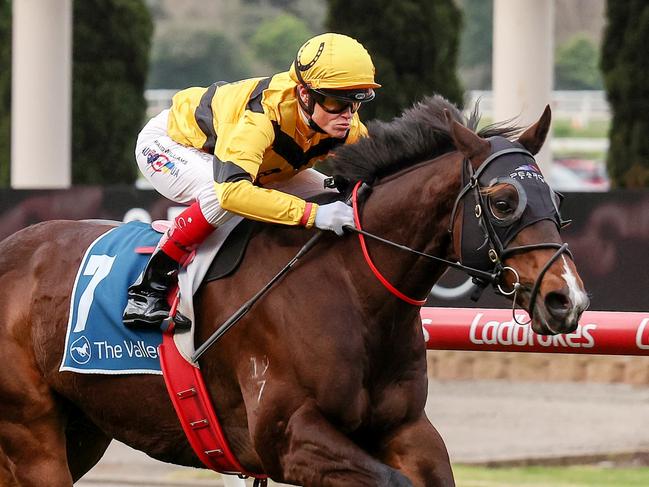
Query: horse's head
x=507, y=222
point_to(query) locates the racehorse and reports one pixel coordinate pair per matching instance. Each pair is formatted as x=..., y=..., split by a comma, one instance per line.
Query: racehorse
x=324, y=382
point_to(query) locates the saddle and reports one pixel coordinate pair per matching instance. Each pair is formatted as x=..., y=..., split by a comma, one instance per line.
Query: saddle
x=231, y=254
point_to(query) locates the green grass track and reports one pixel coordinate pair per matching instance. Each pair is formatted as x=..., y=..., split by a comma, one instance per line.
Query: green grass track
x=580, y=476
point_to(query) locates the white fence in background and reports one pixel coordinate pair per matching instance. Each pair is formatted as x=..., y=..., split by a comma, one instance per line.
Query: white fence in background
x=158, y=100
x=579, y=106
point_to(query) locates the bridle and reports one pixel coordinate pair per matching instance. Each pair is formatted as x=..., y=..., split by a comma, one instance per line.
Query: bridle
x=493, y=247
x=488, y=267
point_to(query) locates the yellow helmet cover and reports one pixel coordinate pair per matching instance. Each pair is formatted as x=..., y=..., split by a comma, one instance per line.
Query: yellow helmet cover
x=333, y=61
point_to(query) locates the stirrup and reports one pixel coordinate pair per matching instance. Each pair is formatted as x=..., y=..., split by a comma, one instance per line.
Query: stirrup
x=144, y=311
x=141, y=323
x=176, y=322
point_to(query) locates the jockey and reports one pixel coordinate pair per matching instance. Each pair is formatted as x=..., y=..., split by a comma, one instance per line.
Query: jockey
x=241, y=148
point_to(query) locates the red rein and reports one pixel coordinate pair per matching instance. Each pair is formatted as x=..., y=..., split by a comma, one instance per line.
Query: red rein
x=368, y=259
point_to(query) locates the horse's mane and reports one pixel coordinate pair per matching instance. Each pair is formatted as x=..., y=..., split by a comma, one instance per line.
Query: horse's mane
x=419, y=134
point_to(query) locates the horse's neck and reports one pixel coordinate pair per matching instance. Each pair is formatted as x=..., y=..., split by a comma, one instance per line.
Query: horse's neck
x=414, y=210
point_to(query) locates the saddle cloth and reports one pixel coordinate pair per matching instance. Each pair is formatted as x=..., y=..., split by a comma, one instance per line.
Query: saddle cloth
x=97, y=342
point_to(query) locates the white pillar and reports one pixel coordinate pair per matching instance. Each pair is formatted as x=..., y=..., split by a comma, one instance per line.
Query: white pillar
x=523, y=61
x=41, y=88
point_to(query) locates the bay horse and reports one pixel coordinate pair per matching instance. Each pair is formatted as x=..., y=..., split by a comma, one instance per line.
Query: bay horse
x=340, y=398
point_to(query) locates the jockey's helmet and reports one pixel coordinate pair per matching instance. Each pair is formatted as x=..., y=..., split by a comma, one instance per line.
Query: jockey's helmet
x=336, y=66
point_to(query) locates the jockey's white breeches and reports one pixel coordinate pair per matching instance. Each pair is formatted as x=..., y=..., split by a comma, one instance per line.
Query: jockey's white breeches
x=185, y=174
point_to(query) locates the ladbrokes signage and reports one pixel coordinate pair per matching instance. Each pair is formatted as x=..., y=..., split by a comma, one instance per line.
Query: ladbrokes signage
x=509, y=333
x=607, y=333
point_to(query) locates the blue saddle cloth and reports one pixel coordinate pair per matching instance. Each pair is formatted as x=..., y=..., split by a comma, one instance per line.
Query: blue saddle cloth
x=96, y=341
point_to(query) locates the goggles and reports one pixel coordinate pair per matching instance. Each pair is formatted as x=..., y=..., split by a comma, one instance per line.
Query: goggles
x=337, y=101
x=335, y=105
x=506, y=200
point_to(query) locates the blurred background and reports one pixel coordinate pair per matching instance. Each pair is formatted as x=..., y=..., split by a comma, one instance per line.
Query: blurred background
x=129, y=57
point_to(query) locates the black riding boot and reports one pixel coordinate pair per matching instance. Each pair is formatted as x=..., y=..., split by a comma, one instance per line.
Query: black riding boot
x=147, y=303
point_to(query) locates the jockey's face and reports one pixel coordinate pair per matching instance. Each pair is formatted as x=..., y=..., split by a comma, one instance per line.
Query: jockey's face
x=335, y=124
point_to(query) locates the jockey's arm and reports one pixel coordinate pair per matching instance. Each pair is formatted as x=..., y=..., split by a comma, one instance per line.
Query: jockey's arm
x=240, y=154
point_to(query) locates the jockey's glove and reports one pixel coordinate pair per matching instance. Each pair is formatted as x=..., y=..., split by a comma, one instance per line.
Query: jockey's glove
x=334, y=217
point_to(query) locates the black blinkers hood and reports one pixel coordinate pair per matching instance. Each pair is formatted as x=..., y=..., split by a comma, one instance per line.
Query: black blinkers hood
x=480, y=231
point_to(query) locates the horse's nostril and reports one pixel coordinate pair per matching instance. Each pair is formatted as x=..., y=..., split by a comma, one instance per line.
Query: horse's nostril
x=557, y=304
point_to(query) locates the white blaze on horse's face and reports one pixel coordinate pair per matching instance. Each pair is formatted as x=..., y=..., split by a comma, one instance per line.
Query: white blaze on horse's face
x=576, y=293
x=561, y=298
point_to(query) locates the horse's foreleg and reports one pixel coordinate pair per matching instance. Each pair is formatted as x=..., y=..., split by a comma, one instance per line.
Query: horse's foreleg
x=417, y=450
x=36, y=448
x=31, y=423
x=315, y=454
x=86, y=444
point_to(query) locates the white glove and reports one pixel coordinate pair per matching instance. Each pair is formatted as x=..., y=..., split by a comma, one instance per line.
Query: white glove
x=334, y=216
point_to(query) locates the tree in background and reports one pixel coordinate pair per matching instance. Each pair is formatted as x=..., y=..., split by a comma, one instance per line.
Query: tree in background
x=576, y=65
x=414, y=46
x=5, y=90
x=111, y=46
x=278, y=39
x=185, y=58
x=198, y=42
x=311, y=12
x=625, y=64
x=476, y=44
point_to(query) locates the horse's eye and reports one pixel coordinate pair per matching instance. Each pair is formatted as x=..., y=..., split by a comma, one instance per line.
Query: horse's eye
x=504, y=202
x=503, y=206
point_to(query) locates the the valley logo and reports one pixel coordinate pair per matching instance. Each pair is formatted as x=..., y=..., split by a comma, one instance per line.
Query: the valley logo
x=80, y=350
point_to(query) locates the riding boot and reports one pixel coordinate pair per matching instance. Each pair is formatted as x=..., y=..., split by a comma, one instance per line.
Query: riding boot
x=147, y=305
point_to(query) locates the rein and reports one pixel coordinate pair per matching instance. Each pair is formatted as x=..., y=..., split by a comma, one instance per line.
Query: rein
x=368, y=259
x=476, y=273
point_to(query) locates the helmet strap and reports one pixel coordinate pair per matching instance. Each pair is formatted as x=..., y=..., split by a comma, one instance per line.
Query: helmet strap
x=308, y=109
x=315, y=126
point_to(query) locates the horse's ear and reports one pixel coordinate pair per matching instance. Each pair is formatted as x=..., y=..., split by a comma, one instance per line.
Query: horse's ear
x=474, y=147
x=534, y=137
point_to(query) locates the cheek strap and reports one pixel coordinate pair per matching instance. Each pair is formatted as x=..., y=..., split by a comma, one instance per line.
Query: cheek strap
x=315, y=126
